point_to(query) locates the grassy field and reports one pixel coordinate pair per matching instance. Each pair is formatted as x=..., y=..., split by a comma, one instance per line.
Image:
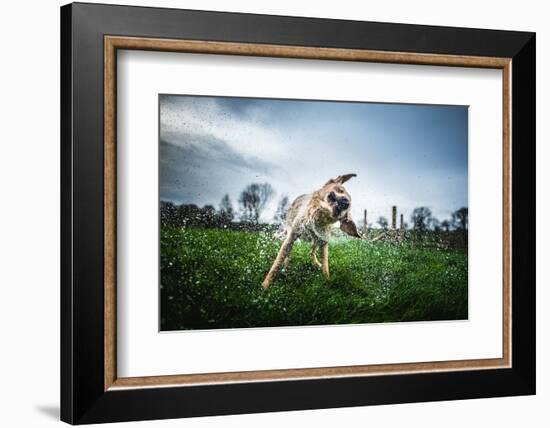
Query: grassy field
x=210, y=278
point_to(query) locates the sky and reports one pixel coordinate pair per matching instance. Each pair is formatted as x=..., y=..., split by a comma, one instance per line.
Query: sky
x=407, y=155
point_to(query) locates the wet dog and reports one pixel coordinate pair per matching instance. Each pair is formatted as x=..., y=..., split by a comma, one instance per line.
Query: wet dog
x=310, y=218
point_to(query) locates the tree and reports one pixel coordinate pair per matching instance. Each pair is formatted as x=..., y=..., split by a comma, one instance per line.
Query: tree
x=460, y=222
x=226, y=208
x=446, y=225
x=435, y=224
x=208, y=215
x=253, y=200
x=282, y=208
x=460, y=219
x=383, y=222
x=421, y=218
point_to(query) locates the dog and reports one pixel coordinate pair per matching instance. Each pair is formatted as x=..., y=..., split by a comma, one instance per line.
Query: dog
x=310, y=218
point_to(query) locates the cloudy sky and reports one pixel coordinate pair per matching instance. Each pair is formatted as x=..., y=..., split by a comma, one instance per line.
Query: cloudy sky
x=404, y=155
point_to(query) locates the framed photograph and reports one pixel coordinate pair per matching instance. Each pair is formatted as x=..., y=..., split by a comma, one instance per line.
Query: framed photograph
x=266, y=213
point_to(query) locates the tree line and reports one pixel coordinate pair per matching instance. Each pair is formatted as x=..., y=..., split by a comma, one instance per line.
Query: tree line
x=254, y=198
x=422, y=220
x=252, y=202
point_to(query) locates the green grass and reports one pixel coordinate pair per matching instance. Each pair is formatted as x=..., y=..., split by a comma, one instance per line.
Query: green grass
x=211, y=278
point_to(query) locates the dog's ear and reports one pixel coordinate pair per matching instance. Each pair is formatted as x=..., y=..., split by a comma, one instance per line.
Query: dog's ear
x=347, y=225
x=341, y=179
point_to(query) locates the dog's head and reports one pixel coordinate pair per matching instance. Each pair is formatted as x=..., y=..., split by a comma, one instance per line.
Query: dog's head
x=335, y=199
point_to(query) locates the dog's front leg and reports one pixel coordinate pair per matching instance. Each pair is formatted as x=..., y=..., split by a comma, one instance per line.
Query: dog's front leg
x=324, y=259
x=284, y=251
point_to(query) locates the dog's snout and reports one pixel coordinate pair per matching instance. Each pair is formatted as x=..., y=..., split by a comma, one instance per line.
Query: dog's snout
x=343, y=203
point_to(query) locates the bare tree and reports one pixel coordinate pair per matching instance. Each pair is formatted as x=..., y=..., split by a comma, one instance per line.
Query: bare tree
x=460, y=221
x=282, y=208
x=226, y=208
x=446, y=225
x=253, y=200
x=421, y=218
x=460, y=218
x=383, y=222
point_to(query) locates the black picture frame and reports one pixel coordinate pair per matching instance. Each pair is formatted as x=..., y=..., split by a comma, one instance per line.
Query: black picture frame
x=83, y=398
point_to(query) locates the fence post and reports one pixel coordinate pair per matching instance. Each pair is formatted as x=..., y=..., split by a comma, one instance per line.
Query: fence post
x=393, y=217
x=365, y=222
x=401, y=222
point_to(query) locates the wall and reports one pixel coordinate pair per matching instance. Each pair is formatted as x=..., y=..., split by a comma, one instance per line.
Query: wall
x=29, y=239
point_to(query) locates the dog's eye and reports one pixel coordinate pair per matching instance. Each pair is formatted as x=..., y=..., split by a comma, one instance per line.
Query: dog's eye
x=331, y=197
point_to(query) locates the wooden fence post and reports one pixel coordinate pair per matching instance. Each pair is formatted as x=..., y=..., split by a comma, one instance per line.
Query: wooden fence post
x=365, y=222
x=393, y=217
x=401, y=223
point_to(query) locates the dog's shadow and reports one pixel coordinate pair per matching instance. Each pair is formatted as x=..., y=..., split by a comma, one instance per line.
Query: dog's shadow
x=300, y=275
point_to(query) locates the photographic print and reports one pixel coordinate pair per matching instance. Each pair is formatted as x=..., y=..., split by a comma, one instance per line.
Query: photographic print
x=284, y=212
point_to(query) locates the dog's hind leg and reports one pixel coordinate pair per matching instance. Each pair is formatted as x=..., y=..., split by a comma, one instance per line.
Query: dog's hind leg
x=324, y=258
x=313, y=255
x=284, y=251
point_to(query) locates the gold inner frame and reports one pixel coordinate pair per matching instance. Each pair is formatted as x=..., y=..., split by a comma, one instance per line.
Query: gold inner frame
x=113, y=43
